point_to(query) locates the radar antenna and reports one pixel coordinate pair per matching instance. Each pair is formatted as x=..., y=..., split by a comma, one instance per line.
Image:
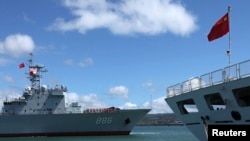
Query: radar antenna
x=35, y=73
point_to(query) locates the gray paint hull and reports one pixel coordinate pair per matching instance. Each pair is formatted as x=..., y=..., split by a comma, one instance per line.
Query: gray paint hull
x=119, y=122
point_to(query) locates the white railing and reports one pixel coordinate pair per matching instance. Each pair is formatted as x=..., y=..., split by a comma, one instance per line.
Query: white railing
x=230, y=73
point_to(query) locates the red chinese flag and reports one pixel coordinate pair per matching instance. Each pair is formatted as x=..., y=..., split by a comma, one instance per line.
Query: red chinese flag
x=21, y=65
x=220, y=28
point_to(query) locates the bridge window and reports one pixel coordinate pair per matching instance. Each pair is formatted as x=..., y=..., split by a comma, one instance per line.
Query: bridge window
x=242, y=96
x=215, y=101
x=187, y=106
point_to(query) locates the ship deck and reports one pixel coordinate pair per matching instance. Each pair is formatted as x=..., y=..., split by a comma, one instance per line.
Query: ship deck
x=227, y=74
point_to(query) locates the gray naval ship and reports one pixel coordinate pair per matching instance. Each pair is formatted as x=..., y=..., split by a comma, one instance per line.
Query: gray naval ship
x=41, y=111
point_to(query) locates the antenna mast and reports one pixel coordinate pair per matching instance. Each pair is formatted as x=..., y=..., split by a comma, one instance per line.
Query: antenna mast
x=35, y=73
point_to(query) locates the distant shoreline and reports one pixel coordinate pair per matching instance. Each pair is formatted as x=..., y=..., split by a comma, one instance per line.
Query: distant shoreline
x=167, y=119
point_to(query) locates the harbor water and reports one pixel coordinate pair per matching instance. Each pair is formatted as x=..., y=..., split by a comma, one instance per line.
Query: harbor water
x=139, y=133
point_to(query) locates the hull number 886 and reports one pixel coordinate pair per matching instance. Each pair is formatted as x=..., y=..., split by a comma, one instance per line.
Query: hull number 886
x=104, y=120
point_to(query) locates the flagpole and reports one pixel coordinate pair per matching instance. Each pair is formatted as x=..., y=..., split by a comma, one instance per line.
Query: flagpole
x=229, y=44
x=229, y=39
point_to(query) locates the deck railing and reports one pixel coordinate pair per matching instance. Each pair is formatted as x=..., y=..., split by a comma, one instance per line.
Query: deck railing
x=229, y=73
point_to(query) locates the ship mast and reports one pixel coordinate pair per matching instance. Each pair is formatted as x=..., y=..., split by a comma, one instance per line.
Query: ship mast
x=35, y=73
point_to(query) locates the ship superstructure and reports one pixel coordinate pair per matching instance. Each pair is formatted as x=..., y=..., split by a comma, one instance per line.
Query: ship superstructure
x=37, y=99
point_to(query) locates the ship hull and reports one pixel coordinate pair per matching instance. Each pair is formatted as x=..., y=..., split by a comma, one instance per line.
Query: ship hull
x=119, y=122
x=222, y=99
x=198, y=122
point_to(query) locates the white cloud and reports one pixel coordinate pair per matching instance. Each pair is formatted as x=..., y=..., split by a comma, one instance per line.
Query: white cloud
x=86, y=101
x=16, y=45
x=83, y=63
x=150, y=86
x=27, y=19
x=119, y=91
x=129, y=105
x=128, y=17
x=158, y=105
x=86, y=62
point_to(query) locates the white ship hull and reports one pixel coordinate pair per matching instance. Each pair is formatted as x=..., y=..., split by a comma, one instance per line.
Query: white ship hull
x=221, y=100
x=119, y=122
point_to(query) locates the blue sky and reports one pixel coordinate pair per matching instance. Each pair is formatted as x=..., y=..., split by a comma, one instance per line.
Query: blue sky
x=122, y=53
